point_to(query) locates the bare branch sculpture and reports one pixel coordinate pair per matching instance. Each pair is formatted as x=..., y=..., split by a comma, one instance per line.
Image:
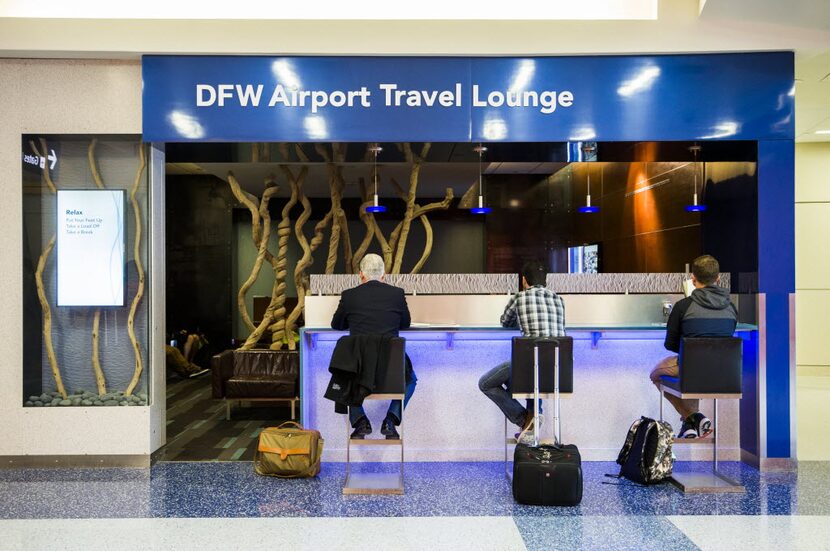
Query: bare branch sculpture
x=100, y=380
x=417, y=161
x=339, y=226
x=253, y=338
x=420, y=212
x=41, y=288
x=277, y=306
x=139, y=293
x=368, y=221
x=304, y=262
x=252, y=204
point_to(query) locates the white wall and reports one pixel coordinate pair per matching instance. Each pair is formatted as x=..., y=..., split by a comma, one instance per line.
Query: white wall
x=812, y=282
x=72, y=97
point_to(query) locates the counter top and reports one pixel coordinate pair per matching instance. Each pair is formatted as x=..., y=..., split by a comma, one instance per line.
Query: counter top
x=576, y=328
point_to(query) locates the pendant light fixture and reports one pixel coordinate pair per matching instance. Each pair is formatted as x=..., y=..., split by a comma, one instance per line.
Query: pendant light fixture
x=588, y=208
x=375, y=207
x=480, y=209
x=695, y=206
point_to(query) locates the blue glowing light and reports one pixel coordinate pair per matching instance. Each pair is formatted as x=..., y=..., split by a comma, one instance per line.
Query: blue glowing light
x=481, y=210
x=695, y=208
x=588, y=210
x=375, y=208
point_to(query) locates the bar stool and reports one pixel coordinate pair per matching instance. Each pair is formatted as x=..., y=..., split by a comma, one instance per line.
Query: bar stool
x=390, y=385
x=710, y=368
x=555, y=357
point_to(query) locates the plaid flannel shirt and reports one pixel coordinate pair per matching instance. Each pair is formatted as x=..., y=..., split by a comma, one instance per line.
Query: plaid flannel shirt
x=537, y=311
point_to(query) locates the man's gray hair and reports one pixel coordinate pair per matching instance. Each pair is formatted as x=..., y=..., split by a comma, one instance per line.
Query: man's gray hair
x=372, y=266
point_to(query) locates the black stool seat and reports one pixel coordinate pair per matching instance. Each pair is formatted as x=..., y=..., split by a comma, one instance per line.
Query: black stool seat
x=670, y=382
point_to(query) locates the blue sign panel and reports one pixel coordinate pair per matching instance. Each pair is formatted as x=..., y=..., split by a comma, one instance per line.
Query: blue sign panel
x=610, y=98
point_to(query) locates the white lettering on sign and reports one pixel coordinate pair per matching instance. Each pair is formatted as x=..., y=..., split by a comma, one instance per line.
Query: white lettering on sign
x=547, y=100
x=393, y=97
x=319, y=98
x=250, y=95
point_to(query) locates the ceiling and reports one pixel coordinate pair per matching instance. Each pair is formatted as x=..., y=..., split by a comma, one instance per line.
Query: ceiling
x=433, y=181
x=682, y=26
x=812, y=68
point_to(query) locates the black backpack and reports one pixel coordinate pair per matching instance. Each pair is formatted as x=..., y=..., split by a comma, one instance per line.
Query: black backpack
x=646, y=456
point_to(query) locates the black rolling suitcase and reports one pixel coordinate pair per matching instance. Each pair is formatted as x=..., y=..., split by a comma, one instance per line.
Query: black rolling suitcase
x=547, y=474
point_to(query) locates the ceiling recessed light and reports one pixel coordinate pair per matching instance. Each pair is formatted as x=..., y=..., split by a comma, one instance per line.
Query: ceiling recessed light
x=822, y=131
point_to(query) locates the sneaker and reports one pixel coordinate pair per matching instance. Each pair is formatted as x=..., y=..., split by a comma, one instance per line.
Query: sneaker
x=527, y=426
x=687, y=429
x=387, y=428
x=702, y=424
x=361, y=429
x=198, y=373
x=525, y=438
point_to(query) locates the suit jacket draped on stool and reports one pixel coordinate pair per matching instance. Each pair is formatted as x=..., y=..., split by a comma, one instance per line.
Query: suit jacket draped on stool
x=356, y=364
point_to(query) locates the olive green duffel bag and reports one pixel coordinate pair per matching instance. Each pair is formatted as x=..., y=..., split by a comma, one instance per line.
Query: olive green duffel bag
x=288, y=451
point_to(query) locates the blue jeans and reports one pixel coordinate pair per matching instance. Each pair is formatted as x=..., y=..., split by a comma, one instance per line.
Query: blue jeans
x=494, y=385
x=395, y=408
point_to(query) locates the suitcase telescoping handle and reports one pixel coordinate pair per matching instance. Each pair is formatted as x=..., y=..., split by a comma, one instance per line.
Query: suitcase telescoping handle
x=557, y=428
x=536, y=393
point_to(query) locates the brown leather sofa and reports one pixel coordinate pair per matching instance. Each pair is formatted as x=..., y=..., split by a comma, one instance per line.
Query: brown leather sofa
x=256, y=376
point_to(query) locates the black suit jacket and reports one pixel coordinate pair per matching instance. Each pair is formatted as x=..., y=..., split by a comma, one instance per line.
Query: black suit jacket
x=372, y=308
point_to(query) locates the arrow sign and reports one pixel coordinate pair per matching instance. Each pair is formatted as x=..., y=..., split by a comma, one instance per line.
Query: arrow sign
x=53, y=159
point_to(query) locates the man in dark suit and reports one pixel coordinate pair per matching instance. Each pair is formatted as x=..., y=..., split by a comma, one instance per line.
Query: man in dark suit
x=375, y=308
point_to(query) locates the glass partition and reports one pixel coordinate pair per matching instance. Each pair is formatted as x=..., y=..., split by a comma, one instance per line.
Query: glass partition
x=85, y=271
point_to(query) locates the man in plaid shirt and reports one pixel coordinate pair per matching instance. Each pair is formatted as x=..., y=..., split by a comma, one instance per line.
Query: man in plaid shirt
x=538, y=312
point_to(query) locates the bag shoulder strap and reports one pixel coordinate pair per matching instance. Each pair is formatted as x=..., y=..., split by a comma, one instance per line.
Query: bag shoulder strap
x=629, y=441
x=290, y=423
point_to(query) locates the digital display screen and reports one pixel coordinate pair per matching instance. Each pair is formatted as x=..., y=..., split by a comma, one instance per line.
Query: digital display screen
x=90, y=247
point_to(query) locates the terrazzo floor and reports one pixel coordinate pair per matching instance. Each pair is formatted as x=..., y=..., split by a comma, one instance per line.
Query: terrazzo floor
x=224, y=505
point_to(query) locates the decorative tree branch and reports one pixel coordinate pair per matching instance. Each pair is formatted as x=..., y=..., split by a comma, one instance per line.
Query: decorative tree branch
x=252, y=204
x=100, y=380
x=421, y=212
x=253, y=338
x=277, y=314
x=47, y=317
x=41, y=288
x=139, y=293
x=47, y=177
x=305, y=261
x=427, y=245
x=368, y=221
x=336, y=185
x=417, y=161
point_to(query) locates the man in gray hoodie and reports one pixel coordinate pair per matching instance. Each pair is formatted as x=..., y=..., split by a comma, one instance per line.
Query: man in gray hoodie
x=707, y=312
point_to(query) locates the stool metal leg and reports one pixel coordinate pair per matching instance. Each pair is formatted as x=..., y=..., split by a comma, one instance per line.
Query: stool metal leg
x=660, y=388
x=715, y=437
x=708, y=482
x=348, y=451
x=362, y=482
x=507, y=472
x=402, y=442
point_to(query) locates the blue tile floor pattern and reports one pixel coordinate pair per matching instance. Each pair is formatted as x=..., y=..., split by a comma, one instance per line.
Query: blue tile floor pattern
x=612, y=516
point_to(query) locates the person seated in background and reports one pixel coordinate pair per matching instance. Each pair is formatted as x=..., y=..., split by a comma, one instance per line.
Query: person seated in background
x=375, y=308
x=538, y=312
x=707, y=312
x=184, y=361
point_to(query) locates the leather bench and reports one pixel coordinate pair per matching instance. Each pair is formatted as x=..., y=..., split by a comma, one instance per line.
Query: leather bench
x=256, y=375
